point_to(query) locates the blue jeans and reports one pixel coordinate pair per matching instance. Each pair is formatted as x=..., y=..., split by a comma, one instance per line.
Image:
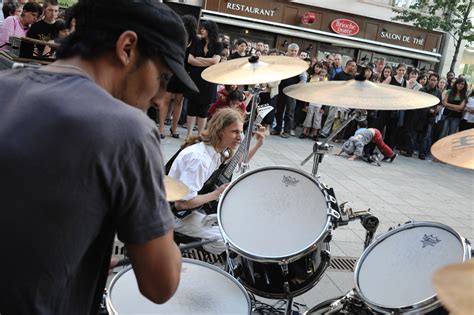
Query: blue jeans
x=450, y=126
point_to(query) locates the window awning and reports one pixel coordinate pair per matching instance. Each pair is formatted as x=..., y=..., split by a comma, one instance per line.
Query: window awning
x=320, y=36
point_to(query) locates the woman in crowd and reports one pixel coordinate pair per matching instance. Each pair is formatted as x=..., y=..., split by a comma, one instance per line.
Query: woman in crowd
x=18, y=25
x=386, y=75
x=454, y=103
x=173, y=98
x=241, y=47
x=204, y=54
x=467, y=121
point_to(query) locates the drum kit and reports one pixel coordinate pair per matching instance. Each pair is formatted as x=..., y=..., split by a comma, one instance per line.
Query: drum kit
x=279, y=247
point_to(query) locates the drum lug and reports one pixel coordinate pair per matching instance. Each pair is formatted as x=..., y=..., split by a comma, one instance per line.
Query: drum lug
x=328, y=238
x=325, y=255
x=334, y=213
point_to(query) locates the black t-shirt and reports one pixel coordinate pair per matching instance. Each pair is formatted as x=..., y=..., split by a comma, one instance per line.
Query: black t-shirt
x=236, y=55
x=343, y=76
x=76, y=166
x=42, y=31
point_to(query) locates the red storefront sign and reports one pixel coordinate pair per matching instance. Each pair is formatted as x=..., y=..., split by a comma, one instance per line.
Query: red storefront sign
x=345, y=27
x=308, y=18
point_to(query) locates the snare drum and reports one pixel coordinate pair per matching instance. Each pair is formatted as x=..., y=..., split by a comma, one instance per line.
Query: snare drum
x=203, y=289
x=276, y=222
x=394, y=274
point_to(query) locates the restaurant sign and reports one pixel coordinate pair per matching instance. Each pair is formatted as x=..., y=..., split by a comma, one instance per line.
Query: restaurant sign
x=345, y=27
x=249, y=9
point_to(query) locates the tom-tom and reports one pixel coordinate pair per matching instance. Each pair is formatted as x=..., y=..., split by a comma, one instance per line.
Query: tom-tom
x=203, y=289
x=395, y=273
x=277, y=224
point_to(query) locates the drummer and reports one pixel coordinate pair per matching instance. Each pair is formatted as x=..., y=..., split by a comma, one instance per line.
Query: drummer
x=197, y=162
x=80, y=166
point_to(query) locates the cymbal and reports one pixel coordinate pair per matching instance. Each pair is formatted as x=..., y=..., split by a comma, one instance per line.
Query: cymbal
x=455, y=287
x=266, y=69
x=456, y=149
x=360, y=95
x=175, y=189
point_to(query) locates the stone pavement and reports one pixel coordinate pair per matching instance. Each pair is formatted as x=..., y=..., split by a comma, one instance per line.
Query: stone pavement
x=407, y=189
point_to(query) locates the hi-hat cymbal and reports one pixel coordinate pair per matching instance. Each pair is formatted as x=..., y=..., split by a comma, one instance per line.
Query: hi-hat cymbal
x=266, y=69
x=455, y=287
x=175, y=189
x=456, y=149
x=360, y=95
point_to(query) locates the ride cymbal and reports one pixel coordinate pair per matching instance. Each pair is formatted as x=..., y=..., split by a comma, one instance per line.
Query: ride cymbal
x=360, y=95
x=455, y=287
x=456, y=149
x=175, y=189
x=254, y=70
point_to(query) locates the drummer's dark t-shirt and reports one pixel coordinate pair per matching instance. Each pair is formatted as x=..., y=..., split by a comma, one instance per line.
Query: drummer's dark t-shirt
x=76, y=166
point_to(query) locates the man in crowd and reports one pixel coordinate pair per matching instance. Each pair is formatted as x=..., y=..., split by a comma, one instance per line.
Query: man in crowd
x=379, y=65
x=286, y=105
x=45, y=29
x=336, y=67
x=347, y=74
x=260, y=47
x=86, y=164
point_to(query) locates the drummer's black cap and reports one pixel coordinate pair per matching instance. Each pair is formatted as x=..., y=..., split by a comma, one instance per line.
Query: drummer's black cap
x=159, y=29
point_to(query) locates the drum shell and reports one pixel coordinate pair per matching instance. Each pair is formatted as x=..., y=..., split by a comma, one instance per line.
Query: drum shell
x=268, y=278
x=430, y=304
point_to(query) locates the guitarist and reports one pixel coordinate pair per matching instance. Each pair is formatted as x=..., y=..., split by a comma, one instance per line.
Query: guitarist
x=197, y=162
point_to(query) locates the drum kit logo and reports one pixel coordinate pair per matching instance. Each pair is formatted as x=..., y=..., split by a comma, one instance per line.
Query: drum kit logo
x=289, y=181
x=430, y=240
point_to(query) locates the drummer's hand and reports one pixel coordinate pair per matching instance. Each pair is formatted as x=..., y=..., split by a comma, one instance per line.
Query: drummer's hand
x=113, y=263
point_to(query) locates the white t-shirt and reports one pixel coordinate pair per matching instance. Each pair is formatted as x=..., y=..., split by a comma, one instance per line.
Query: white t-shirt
x=194, y=165
x=468, y=116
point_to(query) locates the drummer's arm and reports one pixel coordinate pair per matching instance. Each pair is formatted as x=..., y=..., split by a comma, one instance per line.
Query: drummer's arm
x=157, y=267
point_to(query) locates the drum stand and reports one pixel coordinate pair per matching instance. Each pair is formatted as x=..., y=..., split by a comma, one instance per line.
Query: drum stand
x=321, y=148
x=367, y=220
x=248, y=138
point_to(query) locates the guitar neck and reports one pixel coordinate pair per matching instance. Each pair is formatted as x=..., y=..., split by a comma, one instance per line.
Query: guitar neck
x=239, y=154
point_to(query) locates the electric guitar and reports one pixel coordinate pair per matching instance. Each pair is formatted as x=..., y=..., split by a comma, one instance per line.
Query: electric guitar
x=224, y=173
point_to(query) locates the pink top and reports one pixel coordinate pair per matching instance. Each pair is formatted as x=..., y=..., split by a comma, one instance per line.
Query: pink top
x=11, y=27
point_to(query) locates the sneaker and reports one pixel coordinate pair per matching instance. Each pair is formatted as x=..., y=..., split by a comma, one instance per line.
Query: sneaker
x=275, y=132
x=321, y=136
x=393, y=157
x=302, y=136
x=292, y=133
x=422, y=157
x=285, y=135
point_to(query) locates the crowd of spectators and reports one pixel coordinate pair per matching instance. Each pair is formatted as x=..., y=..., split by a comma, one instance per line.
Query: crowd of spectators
x=408, y=131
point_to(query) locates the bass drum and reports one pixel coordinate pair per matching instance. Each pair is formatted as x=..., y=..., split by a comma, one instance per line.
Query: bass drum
x=276, y=222
x=395, y=273
x=203, y=289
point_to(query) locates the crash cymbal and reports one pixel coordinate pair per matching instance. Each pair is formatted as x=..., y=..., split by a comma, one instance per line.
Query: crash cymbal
x=456, y=149
x=265, y=69
x=455, y=287
x=175, y=189
x=360, y=95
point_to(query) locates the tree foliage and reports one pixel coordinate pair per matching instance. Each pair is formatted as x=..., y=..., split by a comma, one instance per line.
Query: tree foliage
x=451, y=16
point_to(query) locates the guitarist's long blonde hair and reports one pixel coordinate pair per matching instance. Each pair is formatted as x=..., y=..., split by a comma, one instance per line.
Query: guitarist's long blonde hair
x=212, y=135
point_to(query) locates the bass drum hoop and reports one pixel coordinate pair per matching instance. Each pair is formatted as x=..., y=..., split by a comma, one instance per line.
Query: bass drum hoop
x=279, y=259
x=111, y=309
x=425, y=305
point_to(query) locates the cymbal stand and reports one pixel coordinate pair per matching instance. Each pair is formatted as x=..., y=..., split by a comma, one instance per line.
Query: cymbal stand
x=321, y=148
x=248, y=138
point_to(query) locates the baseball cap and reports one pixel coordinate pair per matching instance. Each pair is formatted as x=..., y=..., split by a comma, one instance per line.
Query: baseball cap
x=159, y=29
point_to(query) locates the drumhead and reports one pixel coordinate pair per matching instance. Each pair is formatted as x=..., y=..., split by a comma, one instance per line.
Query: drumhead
x=396, y=271
x=273, y=213
x=203, y=289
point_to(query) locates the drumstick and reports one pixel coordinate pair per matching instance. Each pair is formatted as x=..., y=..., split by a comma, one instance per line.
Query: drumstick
x=126, y=261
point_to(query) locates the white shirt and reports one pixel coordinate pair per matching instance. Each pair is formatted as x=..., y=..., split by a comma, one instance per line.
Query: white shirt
x=194, y=165
x=468, y=116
